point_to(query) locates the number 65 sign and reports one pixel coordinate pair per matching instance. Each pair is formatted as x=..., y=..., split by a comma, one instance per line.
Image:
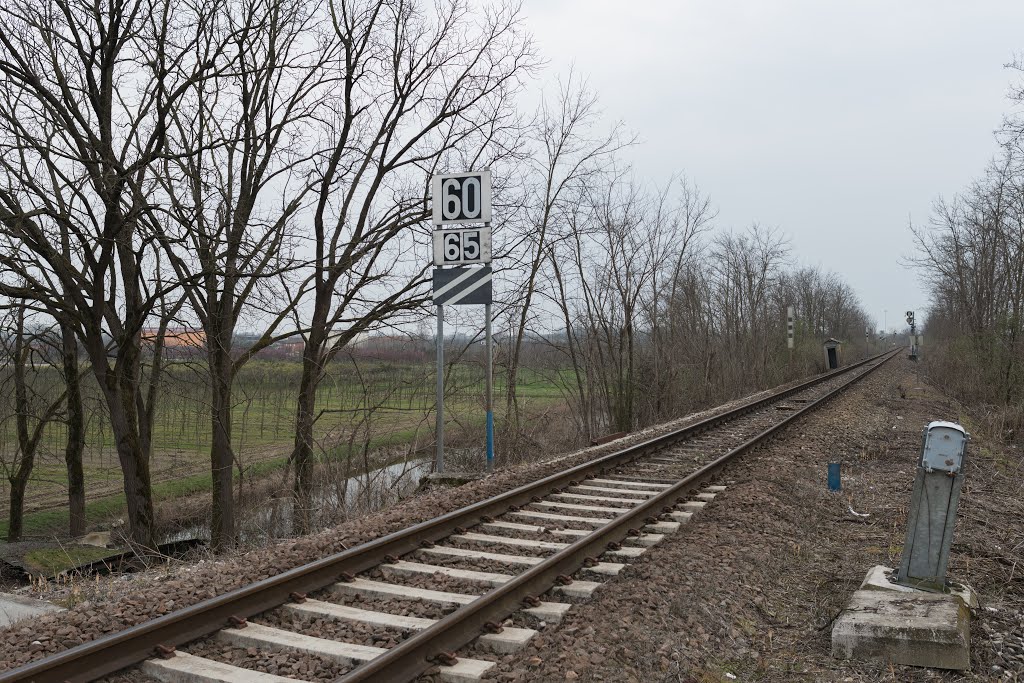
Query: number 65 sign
x=461, y=247
x=462, y=198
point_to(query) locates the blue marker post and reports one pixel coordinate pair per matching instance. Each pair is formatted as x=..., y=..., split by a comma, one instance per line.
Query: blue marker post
x=834, y=480
x=490, y=388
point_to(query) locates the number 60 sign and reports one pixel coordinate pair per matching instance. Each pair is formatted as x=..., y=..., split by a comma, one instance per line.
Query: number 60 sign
x=462, y=198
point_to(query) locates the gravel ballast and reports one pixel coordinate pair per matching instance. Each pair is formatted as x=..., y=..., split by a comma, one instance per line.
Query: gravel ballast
x=748, y=589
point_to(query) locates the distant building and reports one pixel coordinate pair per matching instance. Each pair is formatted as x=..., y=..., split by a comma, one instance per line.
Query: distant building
x=176, y=336
x=179, y=342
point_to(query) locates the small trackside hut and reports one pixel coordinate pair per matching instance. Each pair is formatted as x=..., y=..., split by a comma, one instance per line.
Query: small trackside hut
x=833, y=354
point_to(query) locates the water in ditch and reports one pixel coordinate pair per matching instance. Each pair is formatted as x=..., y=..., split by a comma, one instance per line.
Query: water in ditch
x=331, y=502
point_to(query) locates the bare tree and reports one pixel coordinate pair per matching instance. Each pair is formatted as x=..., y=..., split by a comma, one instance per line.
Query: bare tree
x=569, y=155
x=32, y=408
x=972, y=256
x=420, y=89
x=84, y=112
x=235, y=188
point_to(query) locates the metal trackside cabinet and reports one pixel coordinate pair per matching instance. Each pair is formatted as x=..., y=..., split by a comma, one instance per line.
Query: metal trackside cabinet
x=833, y=354
x=933, y=505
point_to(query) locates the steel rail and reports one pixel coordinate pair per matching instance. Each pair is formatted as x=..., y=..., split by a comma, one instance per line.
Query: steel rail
x=115, y=651
x=413, y=656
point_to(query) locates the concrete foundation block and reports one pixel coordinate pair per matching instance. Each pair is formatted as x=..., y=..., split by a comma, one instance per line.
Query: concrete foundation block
x=15, y=608
x=449, y=479
x=881, y=578
x=914, y=629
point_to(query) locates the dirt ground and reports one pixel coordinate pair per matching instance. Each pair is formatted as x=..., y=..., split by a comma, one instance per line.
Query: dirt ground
x=748, y=590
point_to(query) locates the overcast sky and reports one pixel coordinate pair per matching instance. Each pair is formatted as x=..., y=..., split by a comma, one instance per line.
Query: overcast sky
x=838, y=122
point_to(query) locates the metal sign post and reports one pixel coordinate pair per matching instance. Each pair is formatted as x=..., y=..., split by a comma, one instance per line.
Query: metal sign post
x=489, y=401
x=458, y=199
x=440, y=389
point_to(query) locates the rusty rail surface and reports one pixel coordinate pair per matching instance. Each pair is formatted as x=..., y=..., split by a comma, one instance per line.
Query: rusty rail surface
x=411, y=657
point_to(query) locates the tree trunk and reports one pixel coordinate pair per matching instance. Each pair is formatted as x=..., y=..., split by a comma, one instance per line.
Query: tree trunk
x=26, y=448
x=138, y=489
x=132, y=453
x=222, y=523
x=75, y=447
x=302, y=456
x=19, y=482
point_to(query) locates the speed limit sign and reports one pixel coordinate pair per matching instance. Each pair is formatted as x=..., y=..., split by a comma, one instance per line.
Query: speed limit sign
x=462, y=198
x=461, y=247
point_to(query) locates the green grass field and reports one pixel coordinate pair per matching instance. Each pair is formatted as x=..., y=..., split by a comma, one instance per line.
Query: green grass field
x=396, y=401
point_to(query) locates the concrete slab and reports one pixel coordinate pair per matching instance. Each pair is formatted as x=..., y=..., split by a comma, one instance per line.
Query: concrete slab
x=576, y=589
x=694, y=505
x=881, y=578
x=584, y=498
x=642, y=478
x=598, y=490
x=647, y=539
x=680, y=517
x=627, y=482
x=186, y=668
x=515, y=526
x=279, y=640
x=706, y=496
x=919, y=629
x=549, y=516
x=606, y=568
x=414, y=568
x=509, y=640
x=628, y=552
x=334, y=612
x=444, y=551
x=15, y=608
x=580, y=508
x=574, y=534
x=382, y=589
x=552, y=612
x=546, y=611
x=664, y=527
x=715, y=489
x=534, y=529
x=488, y=539
x=449, y=479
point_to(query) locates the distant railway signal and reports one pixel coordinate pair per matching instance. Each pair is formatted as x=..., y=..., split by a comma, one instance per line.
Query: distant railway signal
x=790, y=315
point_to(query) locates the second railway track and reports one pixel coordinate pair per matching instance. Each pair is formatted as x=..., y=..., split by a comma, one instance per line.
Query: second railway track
x=490, y=573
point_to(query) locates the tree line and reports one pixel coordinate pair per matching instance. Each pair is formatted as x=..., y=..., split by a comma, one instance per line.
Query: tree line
x=971, y=255
x=239, y=165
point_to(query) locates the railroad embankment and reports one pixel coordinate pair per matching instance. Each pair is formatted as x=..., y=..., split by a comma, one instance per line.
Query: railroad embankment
x=748, y=590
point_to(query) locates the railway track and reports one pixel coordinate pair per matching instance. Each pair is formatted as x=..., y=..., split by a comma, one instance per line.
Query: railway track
x=488, y=575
